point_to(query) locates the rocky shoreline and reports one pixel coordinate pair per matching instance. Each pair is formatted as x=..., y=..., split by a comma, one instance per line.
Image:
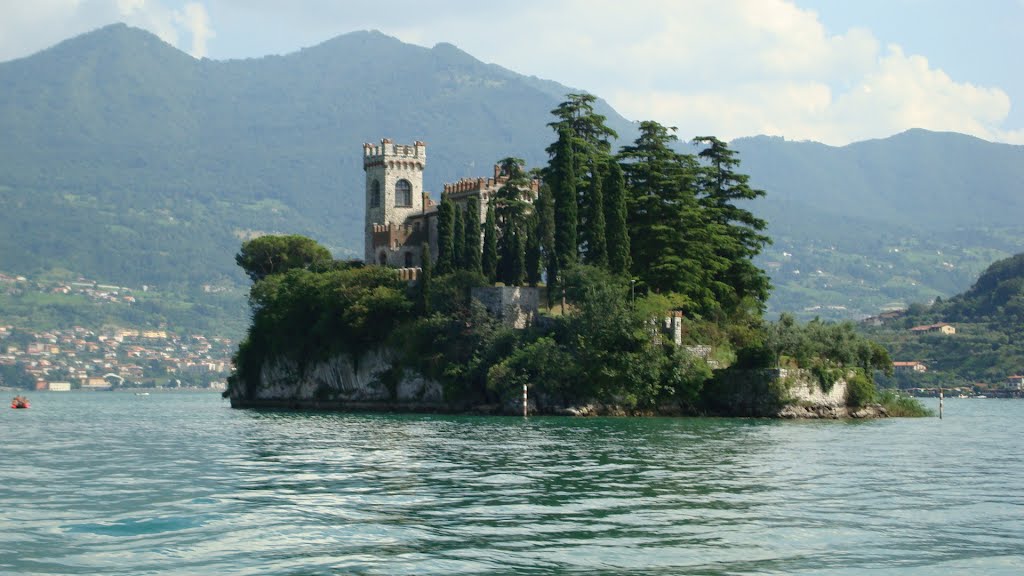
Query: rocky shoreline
x=373, y=385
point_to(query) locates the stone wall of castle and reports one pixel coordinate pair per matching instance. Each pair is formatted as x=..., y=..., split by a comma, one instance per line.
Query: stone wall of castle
x=385, y=166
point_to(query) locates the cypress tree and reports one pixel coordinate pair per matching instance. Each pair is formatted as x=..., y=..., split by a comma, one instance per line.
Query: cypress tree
x=594, y=231
x=423, y=295
x=472, y=242
x=533, y=251
x=545, y=210
x=616, y=233
x=458, y=240
x=489, y=261
x=564, y=193
x=445, y=239
x=517, y=267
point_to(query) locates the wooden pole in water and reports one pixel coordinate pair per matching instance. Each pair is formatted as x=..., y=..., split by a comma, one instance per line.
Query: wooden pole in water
x=524, y=400
x=940, y=403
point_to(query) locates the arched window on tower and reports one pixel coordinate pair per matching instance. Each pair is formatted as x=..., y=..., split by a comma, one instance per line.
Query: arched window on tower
x=375, y=194
x=408, y=259
x=383, y=259
x=403, y=194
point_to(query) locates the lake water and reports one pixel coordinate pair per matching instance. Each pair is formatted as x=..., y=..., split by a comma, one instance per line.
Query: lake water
x=179, y=483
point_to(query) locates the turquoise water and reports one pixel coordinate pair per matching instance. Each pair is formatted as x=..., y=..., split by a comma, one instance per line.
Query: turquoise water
x=179, y=483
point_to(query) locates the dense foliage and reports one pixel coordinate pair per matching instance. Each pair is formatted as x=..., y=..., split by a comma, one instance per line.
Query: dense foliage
x=307, y=316
x=269, y=255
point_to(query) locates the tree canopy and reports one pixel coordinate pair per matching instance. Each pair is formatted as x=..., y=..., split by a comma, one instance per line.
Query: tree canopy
x=275, y=254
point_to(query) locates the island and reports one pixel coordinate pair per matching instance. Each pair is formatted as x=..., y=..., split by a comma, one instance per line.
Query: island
x=602, y=283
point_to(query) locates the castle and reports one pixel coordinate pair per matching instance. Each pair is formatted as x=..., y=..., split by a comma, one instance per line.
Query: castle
x=400, y=216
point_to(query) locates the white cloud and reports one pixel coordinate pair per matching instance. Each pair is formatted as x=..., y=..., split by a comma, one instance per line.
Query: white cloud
x=194, y=18
x=29, y=26
x=741, y=67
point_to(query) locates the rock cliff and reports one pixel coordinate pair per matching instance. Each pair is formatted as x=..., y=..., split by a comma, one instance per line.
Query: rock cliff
x=372, y=382
x=781, y=393
x=369, y=382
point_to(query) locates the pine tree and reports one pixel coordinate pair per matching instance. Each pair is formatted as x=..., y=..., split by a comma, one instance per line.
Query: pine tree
x=563, y=184
x=490, y=254
x=445, y=239
x=670, y=236
x=741, y=233
x=423, y=295
x=511, y=208
x=458, y=240
x=472, y=242
x=616, y=233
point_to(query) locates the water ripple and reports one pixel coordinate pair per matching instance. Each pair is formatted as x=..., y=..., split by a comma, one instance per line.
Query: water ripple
x=181, y=484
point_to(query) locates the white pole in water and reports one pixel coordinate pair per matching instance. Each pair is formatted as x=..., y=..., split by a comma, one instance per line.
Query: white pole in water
x=940, y=403
x=524, y=400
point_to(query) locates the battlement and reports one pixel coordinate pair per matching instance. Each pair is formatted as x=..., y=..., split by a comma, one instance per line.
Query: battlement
x=389, y=152
x=409, y=274
x=466, y=186
x=393, y=236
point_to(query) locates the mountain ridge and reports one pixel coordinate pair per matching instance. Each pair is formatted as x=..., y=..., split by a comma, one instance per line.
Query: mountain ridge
x=126, y=159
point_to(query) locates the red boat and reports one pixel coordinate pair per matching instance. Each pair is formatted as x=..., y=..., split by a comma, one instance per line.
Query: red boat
x=20, y=402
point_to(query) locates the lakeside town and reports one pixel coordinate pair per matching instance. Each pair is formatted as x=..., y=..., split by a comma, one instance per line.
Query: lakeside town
x=80, y=358
x=107, y=358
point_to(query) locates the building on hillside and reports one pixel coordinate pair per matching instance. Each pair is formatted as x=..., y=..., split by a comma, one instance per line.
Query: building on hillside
x=400, y=215
x=882, y=318
x=95, y=383
x=1015, y=382
x=940, y=328
x=911, y=367
x=60, y=386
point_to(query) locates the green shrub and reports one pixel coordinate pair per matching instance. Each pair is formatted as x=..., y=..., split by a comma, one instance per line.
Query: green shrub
x=903, y=406
x=860, y=390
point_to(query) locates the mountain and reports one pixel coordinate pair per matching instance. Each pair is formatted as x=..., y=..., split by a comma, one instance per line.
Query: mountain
x=126, y=161
x=882, y=223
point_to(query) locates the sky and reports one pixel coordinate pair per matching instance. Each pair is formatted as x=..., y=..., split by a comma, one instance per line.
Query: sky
x=832, y=71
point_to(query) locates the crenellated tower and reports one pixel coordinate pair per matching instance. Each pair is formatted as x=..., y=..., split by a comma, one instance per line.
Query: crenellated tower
x=394, y=194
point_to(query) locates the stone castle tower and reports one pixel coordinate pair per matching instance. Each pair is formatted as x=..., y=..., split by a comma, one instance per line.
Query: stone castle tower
x=395, y=203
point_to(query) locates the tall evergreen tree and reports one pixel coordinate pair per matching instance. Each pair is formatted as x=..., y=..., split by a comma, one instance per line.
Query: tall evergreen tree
x=445, y=237
x=594, y=230
x=517, y=268
x=616, y=233
x=721, y=187
x=545, y=210
x=591, y=146
x=489, y=261
x=472, y=242
x=534, y=265
x=458, y=240
x=426, y=270
x=590, y=136
x=563, y=184
x=670, y=238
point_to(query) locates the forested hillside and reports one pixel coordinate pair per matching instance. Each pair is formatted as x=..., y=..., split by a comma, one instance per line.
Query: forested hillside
x=127, y=160
x=988, y=344
x=883, y=223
